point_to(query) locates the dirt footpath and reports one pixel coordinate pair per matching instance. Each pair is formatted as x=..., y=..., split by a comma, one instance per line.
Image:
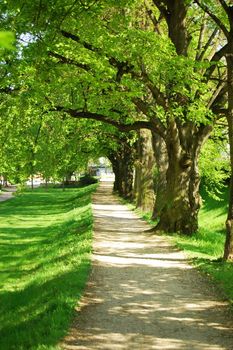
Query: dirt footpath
x=8, y=194
x=142, y=293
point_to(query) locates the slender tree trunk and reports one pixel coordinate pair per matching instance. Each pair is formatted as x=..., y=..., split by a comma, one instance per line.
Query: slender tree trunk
x=228, y=249
x=160, y=180
x=128, y=176
x=46, y=184
x=32, y=182
x=117, y=186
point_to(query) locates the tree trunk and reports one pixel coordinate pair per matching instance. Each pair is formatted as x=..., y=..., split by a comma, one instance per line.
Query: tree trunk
x=180, y=213
x=123, y=164
x=228, y=249
x=160, y=180
x=117, y=186
x=128, y=175
x=32, y=182
x=144, y=179
x=176, y=20
x=182, y=199
x=46, y=184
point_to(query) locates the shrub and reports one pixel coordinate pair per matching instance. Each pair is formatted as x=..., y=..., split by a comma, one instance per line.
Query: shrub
x=87, y=179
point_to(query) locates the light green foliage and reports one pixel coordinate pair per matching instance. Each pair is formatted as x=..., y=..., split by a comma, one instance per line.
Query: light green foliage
x=118, y=34
x=45, y=258
x=215, y=165
x=7, y=40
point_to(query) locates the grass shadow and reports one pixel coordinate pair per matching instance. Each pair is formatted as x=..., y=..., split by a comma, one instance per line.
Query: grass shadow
x=44, y=264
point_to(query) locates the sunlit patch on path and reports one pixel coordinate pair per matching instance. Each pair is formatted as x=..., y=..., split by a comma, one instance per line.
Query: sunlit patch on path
x=142, y=292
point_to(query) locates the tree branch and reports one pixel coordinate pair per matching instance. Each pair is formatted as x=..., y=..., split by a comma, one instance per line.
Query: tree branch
x=153, y=19
x=224, y=6
x=156, y=93
x=122, y=67
x=144, y=108
x=216, y=58
x=78, y=40
x=207, y=45
x=161, y=8
x=137, y=125
x=213, y=17
x=221, y=85
x=66, y=60
x=201, y=36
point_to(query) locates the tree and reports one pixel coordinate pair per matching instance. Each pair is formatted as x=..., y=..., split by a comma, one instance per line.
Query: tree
x=224, y=20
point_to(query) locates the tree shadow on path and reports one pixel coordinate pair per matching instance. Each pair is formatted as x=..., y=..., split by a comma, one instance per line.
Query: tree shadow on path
x=142, y=293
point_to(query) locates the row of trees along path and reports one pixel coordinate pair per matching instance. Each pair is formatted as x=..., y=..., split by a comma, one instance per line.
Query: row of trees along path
x=142, y=293
x=161, y=65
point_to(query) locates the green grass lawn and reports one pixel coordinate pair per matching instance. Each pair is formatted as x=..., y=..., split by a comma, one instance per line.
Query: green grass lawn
x=45, y=245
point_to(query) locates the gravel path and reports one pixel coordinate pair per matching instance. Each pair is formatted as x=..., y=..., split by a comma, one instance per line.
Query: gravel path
x=142, y=293
x=8, y=194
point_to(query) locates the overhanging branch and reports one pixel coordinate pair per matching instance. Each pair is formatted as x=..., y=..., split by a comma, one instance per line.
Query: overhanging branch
x=137, y=125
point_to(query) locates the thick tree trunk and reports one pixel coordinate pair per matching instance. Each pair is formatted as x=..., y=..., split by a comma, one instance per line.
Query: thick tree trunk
x=176, y=20
x=180, y=213
x=175, y=11
x=144, y=173
x=182, y=199
x=123, y=166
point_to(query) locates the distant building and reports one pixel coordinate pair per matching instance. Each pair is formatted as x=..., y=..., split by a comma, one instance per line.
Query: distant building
x=100, y=170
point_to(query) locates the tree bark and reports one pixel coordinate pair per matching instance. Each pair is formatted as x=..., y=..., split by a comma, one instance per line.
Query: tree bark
x=160, y=180
x=182, y=199
x=228, y=249
x=123, y=167
x=117, y=186
x=144, y=179
x=175, y=12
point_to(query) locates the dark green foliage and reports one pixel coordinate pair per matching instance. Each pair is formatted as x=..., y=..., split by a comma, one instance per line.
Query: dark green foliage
x=87, y=180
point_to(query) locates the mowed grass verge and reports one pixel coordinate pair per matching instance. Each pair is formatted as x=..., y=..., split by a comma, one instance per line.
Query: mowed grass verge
x=45, y=251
